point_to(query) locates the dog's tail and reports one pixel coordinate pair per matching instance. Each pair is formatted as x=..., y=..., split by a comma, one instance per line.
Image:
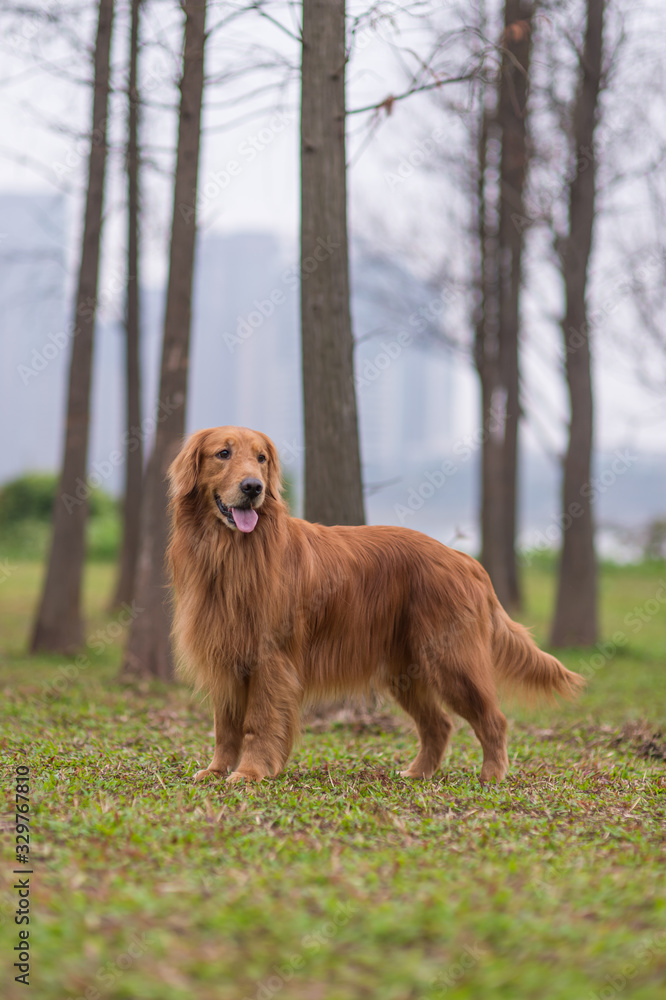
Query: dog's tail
x=520, y=663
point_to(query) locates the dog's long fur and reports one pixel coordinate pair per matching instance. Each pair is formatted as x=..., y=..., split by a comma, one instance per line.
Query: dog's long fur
x=293, y=612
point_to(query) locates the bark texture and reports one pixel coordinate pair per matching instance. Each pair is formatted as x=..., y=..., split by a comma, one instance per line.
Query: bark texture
x=58, y=627
x=501, y=165
x=148, y=651
x=333, y=480
x=134, y=447
x=576, y=615
x=512, y=108
x=487, y=361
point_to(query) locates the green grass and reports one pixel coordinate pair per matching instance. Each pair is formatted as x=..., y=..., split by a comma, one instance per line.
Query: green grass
x=339, y=879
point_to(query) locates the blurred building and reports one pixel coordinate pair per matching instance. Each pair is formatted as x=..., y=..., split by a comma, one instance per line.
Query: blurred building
x=406, y=385
x=416, y=402
x=34, y=339
x=245, y=366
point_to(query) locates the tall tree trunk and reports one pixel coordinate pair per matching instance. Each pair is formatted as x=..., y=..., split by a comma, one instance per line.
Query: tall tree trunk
x=512, y=106
x=576, y=621
x=492, y=536
x=333, y=481
x=134, y=445
x=148, y=651
x=487, y=361
x=59, y=627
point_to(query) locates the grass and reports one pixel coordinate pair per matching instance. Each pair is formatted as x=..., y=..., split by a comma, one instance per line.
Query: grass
x=339, y=879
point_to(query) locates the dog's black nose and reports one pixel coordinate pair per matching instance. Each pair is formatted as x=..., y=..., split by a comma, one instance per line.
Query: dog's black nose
x=252, y=487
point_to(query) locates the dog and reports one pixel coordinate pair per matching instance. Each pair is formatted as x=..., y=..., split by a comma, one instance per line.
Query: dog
x=272, y=612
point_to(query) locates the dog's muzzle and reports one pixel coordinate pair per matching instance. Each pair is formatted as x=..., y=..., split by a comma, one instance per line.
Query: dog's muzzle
x=243, y=518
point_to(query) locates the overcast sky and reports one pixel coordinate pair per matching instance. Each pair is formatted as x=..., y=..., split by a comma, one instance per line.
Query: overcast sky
x=41, y=113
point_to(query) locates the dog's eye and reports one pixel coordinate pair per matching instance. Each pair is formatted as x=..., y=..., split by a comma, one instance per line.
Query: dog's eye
x=261, y=458
x=225, y=453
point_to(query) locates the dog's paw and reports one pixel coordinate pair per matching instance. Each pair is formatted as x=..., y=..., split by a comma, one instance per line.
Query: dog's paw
x=492, y=773
x=417, y=775
x=207, y=771
x=236, y=777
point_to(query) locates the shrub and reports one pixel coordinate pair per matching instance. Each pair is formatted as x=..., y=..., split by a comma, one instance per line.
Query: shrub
x=28, y=498
x=26, y=506
x=31, y=496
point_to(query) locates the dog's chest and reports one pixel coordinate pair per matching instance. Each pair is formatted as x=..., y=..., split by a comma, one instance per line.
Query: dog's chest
x=228, y=624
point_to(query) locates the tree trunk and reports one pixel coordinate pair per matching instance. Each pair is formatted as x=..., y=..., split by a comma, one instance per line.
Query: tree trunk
x=148, y=651
x=512, y=105
x=492, y=536
x=576, y=621
x=487, y=361
x=59, y=627
x=333, y=481
x=134, y=445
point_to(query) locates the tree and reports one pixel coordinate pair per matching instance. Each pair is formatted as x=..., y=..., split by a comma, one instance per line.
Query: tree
x=134, y=445
x=511, y=112
x=58, y=627
x=490, y=170
x=498, y=173
x=148, y=651
x=486, y=353
x=333, y=481
x=576, y=618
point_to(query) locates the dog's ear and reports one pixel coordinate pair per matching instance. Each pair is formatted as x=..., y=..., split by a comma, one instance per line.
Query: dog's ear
x=274, y=487
x=184, y=469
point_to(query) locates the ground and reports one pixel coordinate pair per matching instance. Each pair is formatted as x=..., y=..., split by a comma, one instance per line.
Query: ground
x=339, y=879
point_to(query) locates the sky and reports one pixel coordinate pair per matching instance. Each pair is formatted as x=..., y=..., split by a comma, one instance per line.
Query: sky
x=400, y=197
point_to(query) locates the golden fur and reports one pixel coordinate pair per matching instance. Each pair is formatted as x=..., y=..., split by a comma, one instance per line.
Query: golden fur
x=292, y=612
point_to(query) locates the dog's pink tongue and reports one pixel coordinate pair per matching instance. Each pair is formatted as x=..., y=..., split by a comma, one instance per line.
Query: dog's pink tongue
x=245, y=520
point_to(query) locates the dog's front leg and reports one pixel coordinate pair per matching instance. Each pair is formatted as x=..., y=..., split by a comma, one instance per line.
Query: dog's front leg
x=271, y=720
x=228, y=735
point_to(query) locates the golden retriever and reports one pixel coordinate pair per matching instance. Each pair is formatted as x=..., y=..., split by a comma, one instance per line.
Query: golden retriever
x=272, y=612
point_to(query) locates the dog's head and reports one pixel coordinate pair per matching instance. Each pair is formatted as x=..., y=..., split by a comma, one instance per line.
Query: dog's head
x=232, y=472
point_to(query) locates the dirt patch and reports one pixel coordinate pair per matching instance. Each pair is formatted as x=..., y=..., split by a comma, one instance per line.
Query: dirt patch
x=642, y=740
x=368, y=716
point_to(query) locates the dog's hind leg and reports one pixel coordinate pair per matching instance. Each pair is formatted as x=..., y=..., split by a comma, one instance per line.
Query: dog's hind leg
x=464, y=690
x=228, y=735
x=433, y=724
